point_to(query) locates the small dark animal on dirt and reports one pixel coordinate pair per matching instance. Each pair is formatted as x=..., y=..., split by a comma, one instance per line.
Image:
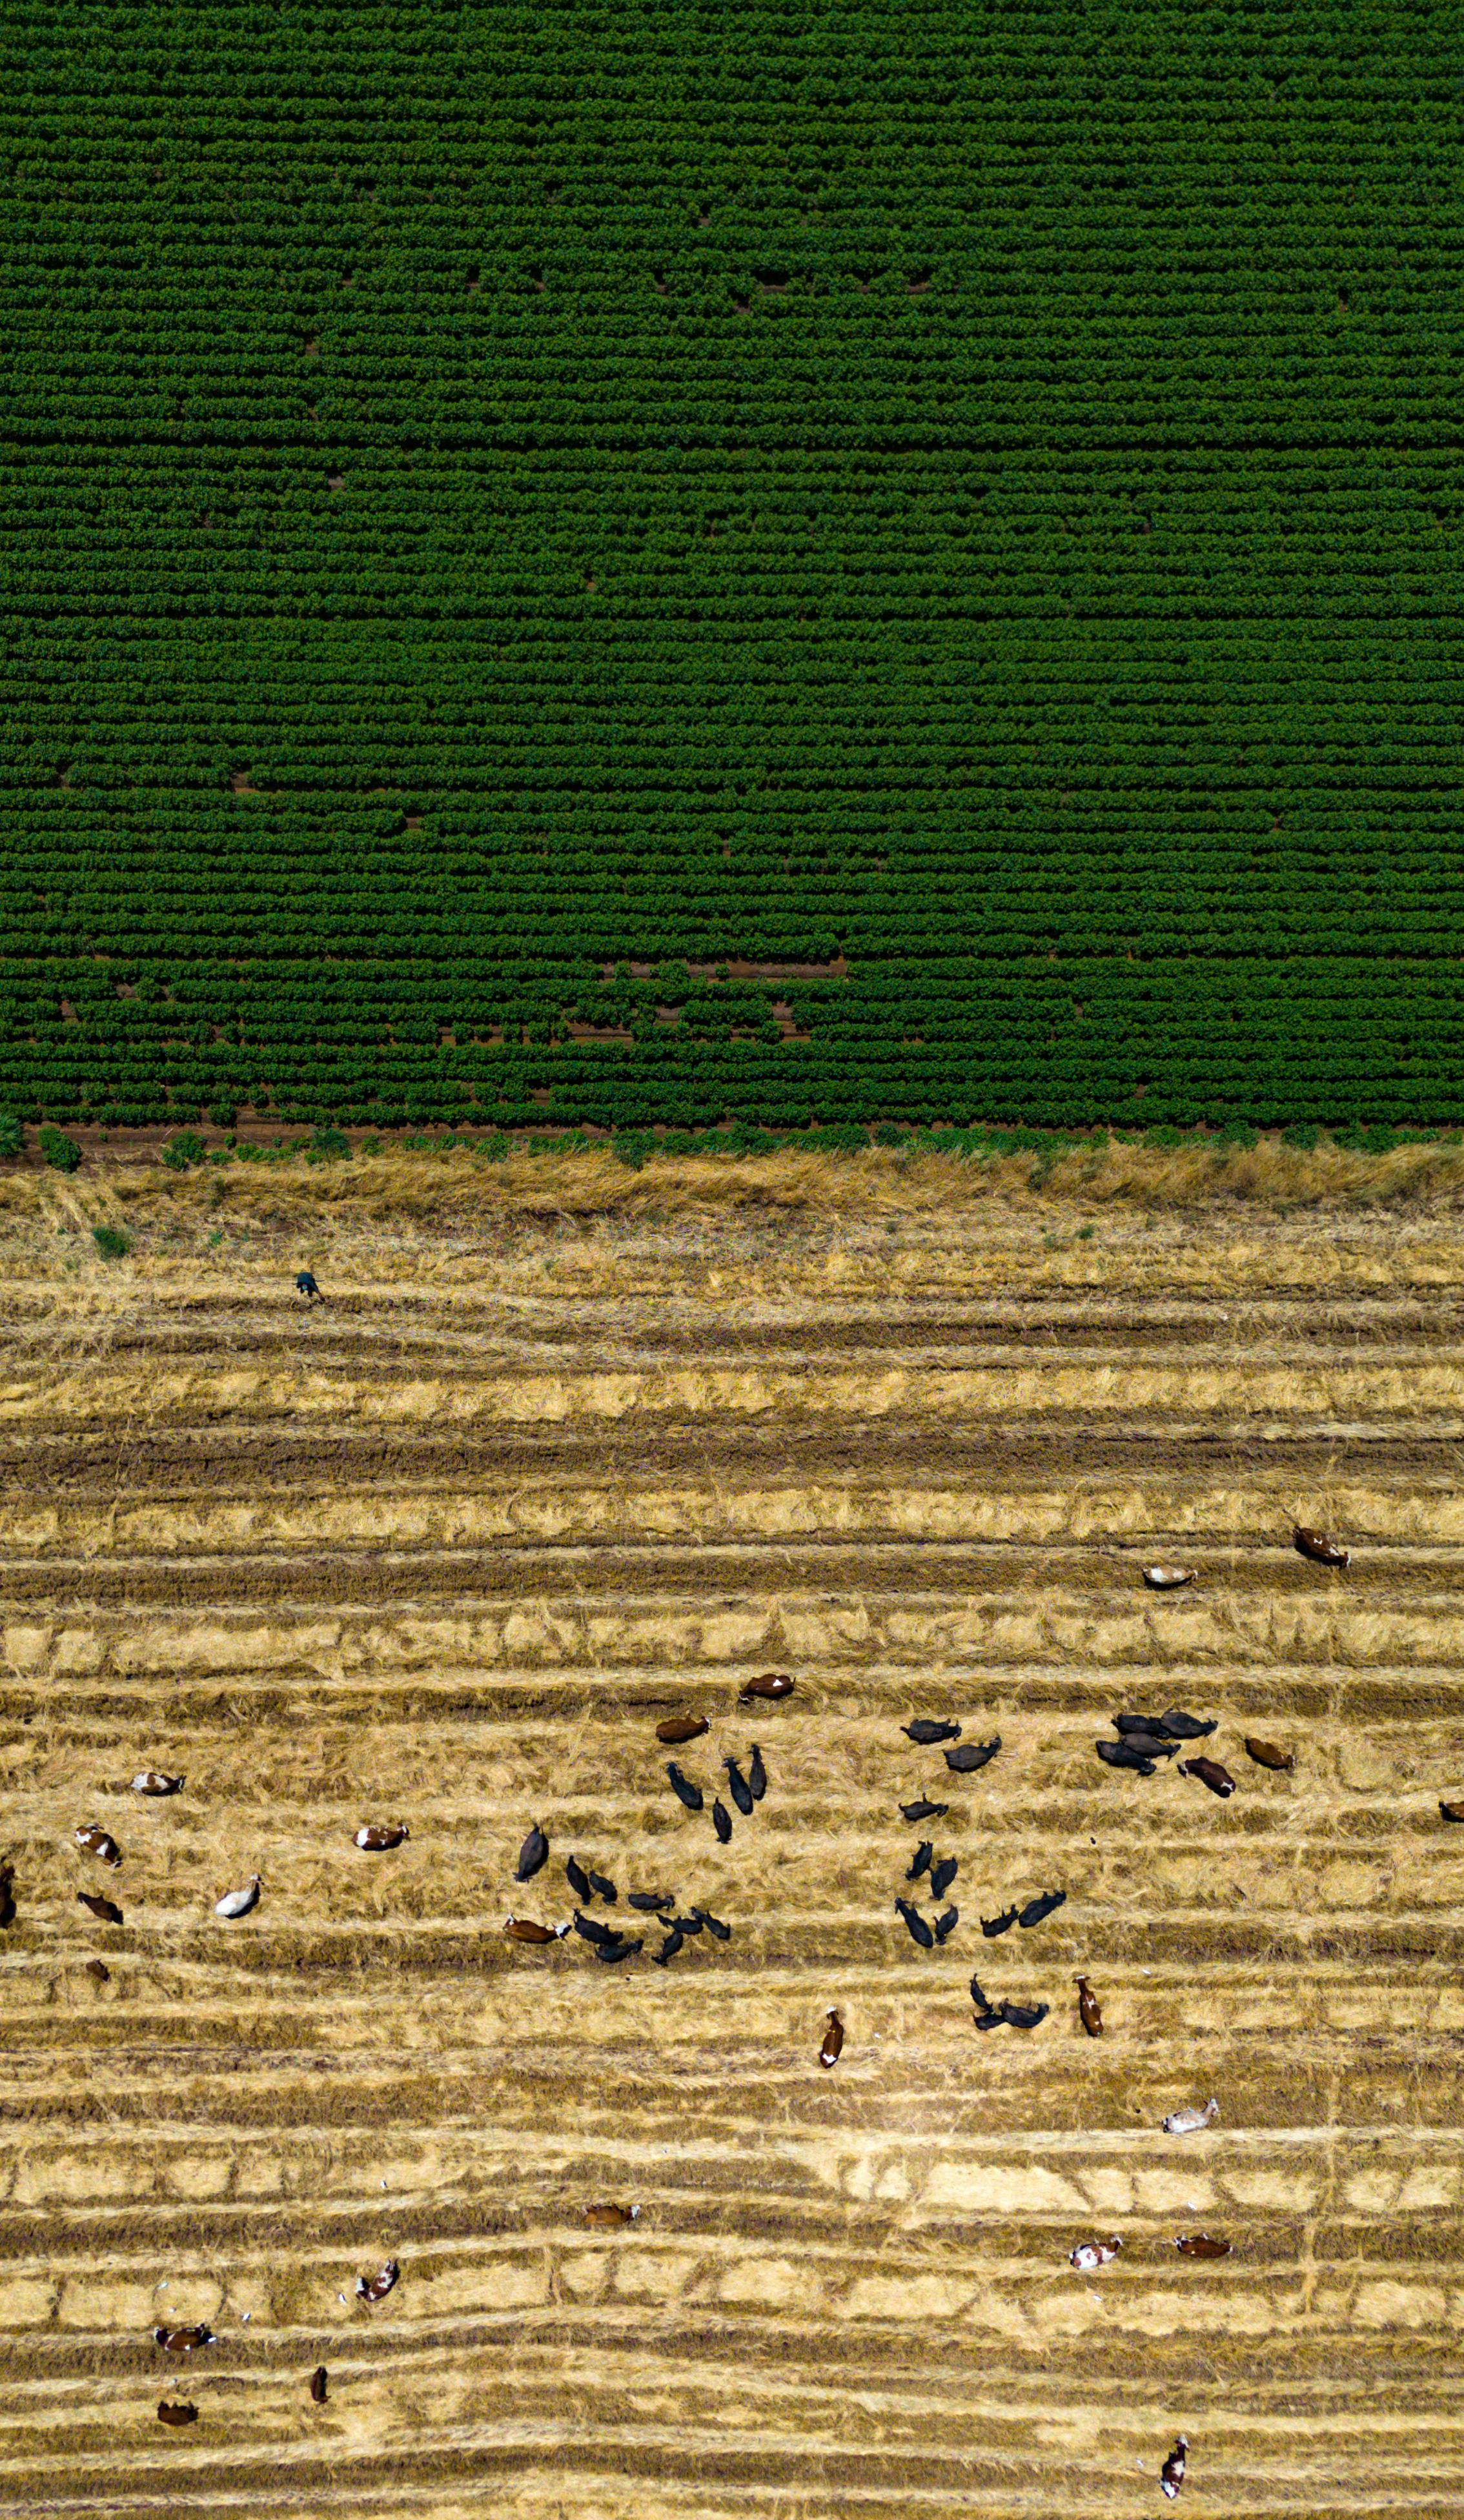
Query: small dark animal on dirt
x=919, y=1930
x=923, y=1810
x=1189, y=2121
x=971, y=1756
x=318, y=2379
x=721, y=1822
x=682, y=1786
x=1186, y=1728
x=1320, y=1546
x=592, y=1929
x=105, y=1910
x=947, y=1923
x=673, y=1944
x=534, y=1853
x=169, y=2412
x=376, y=2287
x=95, y=1841
x=1266, y=1754
x=990, y=2015
x=739, y=1788
x=1150, y=1745
x=991, y=1926
x=768, y=1683
x=714, y=1924
x=650, y=1901
x=832, y=2041
x=523, y=1929
x=1172, y=2474
x=1199, y=2244
x=100, y=1972
x=614, y=1953
x=1016, y=2016
x=612, y=2217
x=930, y=1728
x=942, y=1874
x=691, y=1924
x=1122, y=1754
x=681, y=1727
x=1087, y=2008
x=1209, y=1773
x=184, y=2340
x=604, y=1889
x=577, y=1878
x=1036, y=1909
x=7, y=1893
x=305, y=1284
x=1093, y=2253
x=1451, y=1810
x=921, y=1862
x=757, y=1775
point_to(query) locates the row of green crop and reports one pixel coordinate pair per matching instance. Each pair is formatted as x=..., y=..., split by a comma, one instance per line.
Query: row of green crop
x=689, y=1111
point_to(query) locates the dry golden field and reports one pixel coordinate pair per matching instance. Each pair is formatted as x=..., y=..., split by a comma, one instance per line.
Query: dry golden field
x=567, y=1450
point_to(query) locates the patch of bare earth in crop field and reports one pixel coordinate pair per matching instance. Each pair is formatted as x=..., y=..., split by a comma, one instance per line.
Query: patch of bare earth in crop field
x=446, y=1548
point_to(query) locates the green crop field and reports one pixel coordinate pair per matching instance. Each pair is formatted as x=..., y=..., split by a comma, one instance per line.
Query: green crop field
x=664, y=563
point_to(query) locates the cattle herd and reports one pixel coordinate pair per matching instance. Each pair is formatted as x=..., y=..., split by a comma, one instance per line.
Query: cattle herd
x=1140, y=1741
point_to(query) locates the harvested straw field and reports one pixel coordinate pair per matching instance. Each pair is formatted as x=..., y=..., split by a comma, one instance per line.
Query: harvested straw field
x=555, y=1459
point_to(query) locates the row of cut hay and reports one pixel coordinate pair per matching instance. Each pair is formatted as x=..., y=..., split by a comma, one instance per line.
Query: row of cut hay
x=875, y=1184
